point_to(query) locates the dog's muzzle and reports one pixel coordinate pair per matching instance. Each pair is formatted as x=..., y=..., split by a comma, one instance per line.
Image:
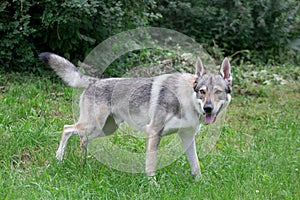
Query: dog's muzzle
x=209, y=116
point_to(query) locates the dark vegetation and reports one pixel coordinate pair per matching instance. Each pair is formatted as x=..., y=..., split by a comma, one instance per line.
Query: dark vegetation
x=257, y=32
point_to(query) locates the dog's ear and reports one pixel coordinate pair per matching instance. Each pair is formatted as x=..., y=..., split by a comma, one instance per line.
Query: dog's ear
x=226, y=71
x=200, y=69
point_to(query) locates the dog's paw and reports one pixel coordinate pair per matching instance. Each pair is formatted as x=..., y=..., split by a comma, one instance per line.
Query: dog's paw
x=152, y=181
x=59, y=156
x=198, y=177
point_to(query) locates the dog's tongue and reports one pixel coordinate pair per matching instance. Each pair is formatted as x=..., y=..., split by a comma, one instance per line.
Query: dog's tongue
x=210, y=118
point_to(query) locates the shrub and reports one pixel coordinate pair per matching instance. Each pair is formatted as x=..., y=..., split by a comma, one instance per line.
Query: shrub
x=264, y=28
x=256, y=31
x=68, y=27
x=16, y=48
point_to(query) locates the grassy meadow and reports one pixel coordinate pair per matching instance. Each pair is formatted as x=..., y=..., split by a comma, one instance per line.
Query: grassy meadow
x=256, y=157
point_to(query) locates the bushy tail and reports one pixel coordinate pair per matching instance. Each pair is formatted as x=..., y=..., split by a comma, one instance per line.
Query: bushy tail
x=66, y=70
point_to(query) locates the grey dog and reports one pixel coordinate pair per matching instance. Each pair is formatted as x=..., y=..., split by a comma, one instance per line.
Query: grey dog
x=161, y=105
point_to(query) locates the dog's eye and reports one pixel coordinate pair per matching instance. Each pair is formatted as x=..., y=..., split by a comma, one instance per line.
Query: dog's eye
x=202, y=91
x=218, y=92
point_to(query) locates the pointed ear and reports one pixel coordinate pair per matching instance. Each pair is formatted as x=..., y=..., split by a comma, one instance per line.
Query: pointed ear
x=226, y=70
x=200, y=69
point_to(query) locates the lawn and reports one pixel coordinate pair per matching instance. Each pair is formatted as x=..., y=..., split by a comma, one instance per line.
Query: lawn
x=256, y=157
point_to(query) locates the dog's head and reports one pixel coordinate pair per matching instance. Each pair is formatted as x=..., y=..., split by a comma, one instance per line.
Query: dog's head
x=213, y=90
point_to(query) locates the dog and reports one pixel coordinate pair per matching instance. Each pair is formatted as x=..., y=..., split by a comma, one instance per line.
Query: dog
x=161, y=105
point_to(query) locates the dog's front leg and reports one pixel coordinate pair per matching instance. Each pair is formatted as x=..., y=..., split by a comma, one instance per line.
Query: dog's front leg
x=153, y=139
x=189, y=146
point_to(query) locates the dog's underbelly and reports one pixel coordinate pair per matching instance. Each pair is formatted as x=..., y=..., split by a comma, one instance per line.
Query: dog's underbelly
x=137, y=122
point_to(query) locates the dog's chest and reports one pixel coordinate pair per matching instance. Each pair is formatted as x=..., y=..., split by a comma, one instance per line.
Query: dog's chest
x=175, y=123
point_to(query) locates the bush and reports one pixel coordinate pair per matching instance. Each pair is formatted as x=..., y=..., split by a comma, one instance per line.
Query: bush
x=262, y=29
x=257, y=31
x=16, y=48
x=68, y=27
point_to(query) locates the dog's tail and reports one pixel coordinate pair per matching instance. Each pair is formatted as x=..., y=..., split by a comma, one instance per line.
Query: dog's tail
x=66, y=70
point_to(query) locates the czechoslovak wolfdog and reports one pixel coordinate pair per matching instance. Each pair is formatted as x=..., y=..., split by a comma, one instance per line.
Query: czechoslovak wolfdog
x=171, y=103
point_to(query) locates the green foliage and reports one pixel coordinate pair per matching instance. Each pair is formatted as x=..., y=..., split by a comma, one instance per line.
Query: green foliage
x=263, y=31
x=70, y=28
x=77, y=26
x=16, y=49
x=257, y=30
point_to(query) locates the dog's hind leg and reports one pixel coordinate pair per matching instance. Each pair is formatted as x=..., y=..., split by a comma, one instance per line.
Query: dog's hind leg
x=83, y=148
x=68, y=131
x=106, y=125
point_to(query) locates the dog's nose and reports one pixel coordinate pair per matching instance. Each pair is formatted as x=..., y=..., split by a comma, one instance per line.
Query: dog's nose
x=208, y=107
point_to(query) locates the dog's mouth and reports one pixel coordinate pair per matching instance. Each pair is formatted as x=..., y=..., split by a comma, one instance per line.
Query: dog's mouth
x=210, y=117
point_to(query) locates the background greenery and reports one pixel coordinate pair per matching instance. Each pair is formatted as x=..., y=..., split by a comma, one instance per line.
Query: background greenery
x=69, y=28
x=260, y=31
x=264, y=31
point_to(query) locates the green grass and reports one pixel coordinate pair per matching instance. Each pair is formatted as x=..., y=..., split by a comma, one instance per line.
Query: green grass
x=257, y=156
